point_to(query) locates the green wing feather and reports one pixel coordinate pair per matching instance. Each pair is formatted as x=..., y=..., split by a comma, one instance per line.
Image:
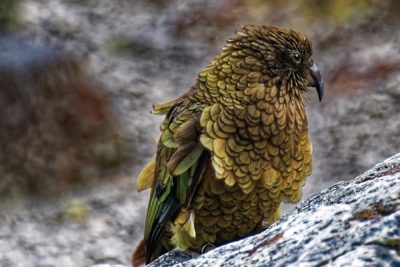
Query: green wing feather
x=180, y=163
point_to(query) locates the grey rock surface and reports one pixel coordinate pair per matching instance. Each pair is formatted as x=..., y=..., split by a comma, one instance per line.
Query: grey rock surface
x=353, y=223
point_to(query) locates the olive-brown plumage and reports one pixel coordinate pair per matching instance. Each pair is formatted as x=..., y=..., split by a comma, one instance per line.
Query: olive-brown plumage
x=234, y=146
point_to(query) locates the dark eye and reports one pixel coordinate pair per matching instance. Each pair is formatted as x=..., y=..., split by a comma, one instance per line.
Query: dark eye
x=296, y=57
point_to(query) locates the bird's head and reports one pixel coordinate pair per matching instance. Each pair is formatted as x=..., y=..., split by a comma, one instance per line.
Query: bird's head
x=285, y=56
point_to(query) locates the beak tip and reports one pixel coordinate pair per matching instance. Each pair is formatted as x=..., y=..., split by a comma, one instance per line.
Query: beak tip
x=320, y=90
x=319, y=83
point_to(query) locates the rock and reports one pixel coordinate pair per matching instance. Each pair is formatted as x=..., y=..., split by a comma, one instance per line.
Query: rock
x=353, y=223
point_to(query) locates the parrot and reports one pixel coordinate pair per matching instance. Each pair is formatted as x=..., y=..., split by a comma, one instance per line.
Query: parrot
x=233, y=147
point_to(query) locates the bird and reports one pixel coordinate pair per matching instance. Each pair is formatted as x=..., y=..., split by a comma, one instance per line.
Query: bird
x=233, y=147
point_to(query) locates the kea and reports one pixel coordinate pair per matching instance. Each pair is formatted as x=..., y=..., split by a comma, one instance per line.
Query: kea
x=233, y=147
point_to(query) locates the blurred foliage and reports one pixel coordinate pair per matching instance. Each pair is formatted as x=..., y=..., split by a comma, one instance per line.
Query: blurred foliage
x=79, y=2
x=206, y=20
x=336, y=12
x=108, y=150
x=8, y=13
x=118, y=45
x=341, y=11
x=123, y=45
x=77, y=210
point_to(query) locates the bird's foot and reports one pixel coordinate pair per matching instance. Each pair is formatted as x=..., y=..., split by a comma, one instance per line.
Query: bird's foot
x=207, y=247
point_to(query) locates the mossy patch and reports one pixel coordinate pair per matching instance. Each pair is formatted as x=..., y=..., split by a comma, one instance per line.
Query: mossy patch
x=376, y=211
x=8, y=13
x=388, y=243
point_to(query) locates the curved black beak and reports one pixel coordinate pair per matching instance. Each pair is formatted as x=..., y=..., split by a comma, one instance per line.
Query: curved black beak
x=319, y=83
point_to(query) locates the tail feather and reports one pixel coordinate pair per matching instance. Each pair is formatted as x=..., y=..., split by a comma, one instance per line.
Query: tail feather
x=139, y=255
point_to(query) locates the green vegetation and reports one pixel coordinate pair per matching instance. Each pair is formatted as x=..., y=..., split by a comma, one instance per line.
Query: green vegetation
x=8, y=13
x=389, y=243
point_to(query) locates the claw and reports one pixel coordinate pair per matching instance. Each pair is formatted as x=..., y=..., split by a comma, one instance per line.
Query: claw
x=207, y=247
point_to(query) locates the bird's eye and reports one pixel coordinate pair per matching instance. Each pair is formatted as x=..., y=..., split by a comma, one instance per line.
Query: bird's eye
x=296, y=57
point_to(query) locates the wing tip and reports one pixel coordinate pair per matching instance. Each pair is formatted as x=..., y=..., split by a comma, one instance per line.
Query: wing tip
x=163, y=108
x=145, y=179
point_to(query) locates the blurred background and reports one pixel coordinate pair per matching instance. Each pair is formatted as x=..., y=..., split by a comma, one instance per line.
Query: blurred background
x=77, y=80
